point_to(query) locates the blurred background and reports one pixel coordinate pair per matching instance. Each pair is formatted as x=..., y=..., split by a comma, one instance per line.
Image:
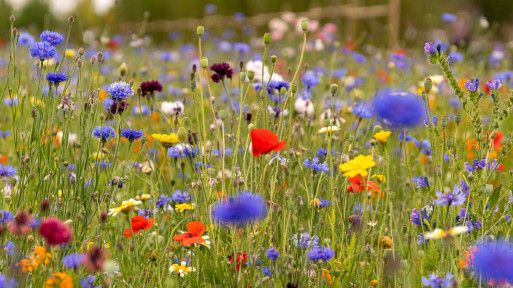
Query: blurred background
x=376, y=21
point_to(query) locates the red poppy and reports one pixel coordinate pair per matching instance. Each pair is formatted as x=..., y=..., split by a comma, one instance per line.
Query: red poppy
x=195, y=230
x=358, y=185
x=265, y=141
x=138, y=223
x=241, y=258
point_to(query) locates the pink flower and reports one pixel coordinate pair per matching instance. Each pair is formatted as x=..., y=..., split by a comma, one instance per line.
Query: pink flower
x=55, y=232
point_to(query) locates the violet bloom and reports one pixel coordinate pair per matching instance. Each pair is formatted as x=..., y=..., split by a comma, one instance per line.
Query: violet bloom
x=437, y=282
x=429, y=48
x=472, y=85
x=494, y=85
x=454, y=198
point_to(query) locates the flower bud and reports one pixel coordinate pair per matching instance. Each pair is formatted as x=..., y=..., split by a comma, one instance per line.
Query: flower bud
x=182, y=134
x=457, y=118
x=11, y=18
x=122, y=69
x=242, y=76
x=204, y=62
x=304, y=25
x=251, y=75
x=71, y=19
x=428, y=84
x=334, y=88
x=267, y=38
x=293, y=88
x=200, y=31
x=273, y=59
x=81, y=51
x=283, y=91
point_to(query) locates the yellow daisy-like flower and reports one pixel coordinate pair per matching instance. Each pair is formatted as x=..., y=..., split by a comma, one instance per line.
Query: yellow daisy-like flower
x=167, y=140
x=184, y=206
x=60, y=280
x=70, y=53
x=382, y=136
x=440, y=233
x=357, y=166
x=380, y=178
x=145, y=197
x=124, y=206
x=181, y=269
x=329, y=129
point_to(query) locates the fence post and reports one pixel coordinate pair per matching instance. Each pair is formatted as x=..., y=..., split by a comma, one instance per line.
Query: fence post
x=394, y=14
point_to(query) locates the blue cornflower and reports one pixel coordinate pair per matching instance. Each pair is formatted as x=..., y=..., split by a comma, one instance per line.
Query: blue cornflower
x=7, y=283
x=241, y=209
x=104, y=133
x=9, y=249
x=359, y=58
x=54, y=38
x=321, y=153
x=73, y=260
x=140, y=110
x=6, y=216
x=241, y=48
x=310, y=79
x=267, y=271
x=103, y=164
x=321, y=253
x=272, y=254
x=120, y=90
x=7, y=171
x=454, y=198
x=130, y=134
x=5, y=134
x=316, y=165
x=56, y=78
x=472, y=85
x=418, y=218
x=147, y=213
x=277, y=85
x=455, y=56
x=421, y=240
x=429, y=48
x=173, y=152
x=422, y=182
x=162, y=200
x=442, y=46
x=180, y=196
x=446, y=17
x=88, y=282
x=399, y=109
x=362, y=110
x=476, y=165
x=494, y=260
x=25, y=39
x=304, y=240
x=436, y=282
x=42, y=50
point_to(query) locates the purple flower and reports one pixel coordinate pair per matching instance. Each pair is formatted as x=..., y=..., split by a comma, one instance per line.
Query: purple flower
x=162, y=200
x=446, y=17
x=130, y=134
x=272, y=254
x=310, y=80
x=104, y=132
x=494, y=260
x=316, y=165
x=180, y=196
x=422, y=182
x=419, y=218
x=454, y=198
x=73, y=260
x=472, y=85
x=321, y=253
x=54, y=38
x=221, y=70
x=429, y=48
x=42, y=50
x=240, y=210
x=120, y=90
x=7, y=171
x=436, y=282
x=56, y=78
x=359, y=58
x=362, y=110
x=304, y=240
x=399, y=109
x=25, y=39
x=88, y=282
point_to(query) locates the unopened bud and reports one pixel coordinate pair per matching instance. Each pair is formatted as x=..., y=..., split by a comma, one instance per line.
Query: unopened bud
x=251, y=75
x=293, y=88
x=428, y=84
x=273, y=59
x=182, y=134
x=204, y=62
x=304, y=25
x=122, y=69
x=200, y=31
x=71, y=19
x=267, y=38
x=334, y=88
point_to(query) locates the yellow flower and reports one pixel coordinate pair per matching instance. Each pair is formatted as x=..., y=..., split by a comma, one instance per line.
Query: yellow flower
x=60, y=280
x=166, y=140
x=382, y=136
x=49, y=62
x=125, y=205
x=439, y=233
x=184, y=206
x=380, y=178
x=357, y=166
x=70, y=53
x=329, y=129
x=374, y=283
x=145, y=197
x=181, y=269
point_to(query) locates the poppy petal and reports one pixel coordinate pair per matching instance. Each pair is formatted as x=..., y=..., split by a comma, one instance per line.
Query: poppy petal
x=280, y=146
x=128, y=233
x=149, y=224
x=264, y=141
x=181, y=237
x=139, y=222
x=193, y=240
x=196, y=228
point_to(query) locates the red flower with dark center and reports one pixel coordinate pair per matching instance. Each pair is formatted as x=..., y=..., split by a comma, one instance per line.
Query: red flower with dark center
x=138, y=223
x=193, y=235
x=55, y=232
x=265, y=141
x=241, y=258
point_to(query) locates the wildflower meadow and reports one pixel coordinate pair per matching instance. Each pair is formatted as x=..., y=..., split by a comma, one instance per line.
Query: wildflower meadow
x=290, y=158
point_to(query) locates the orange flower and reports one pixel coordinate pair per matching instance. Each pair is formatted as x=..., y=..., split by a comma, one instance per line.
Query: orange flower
x=59, y=280
x=3, y=159
x=26, y=266
x=138, y=223
x=358, y=185
x=195, y=230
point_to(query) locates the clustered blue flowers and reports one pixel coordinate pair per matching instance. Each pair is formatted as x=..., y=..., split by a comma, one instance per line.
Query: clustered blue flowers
x=120, y=90
x=241, y=209
x=104, y=133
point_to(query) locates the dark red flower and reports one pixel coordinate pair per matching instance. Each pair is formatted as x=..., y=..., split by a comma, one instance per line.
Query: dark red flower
x=149, y=88
x=118, y=107
x=138, y=223
x=221, y=70
x=55, y=232
x=264, y=141
x=21, y=224
x=241, y=258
